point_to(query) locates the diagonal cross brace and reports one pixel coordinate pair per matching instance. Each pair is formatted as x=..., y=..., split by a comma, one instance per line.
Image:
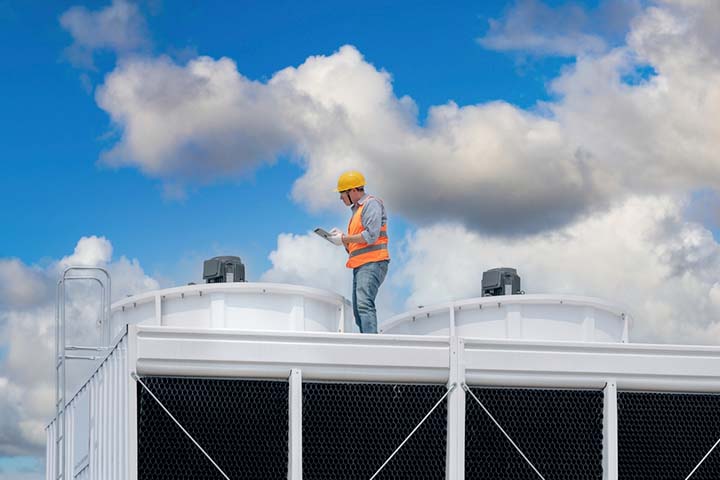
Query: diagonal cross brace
x=467, y=389
x=137, y=379
x=415, y=430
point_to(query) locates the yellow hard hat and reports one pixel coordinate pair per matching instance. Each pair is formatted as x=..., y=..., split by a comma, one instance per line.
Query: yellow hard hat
x=349, y=180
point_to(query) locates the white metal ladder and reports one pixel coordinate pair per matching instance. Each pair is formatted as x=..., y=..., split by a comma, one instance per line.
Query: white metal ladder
x=102, y=277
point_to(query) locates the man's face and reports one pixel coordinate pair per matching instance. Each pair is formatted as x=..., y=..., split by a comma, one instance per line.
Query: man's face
x=345, y=197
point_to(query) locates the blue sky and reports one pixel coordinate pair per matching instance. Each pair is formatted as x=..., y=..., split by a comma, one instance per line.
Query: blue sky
x=571, y=139
x=54, y=132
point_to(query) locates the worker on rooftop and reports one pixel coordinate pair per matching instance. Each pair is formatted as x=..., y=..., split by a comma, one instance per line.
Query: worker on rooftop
x=366, y=242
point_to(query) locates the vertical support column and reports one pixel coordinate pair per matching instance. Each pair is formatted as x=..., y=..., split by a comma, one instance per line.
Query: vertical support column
x=589, y=324
x=455, y=457
x=297, y=314
x=626, y=327
x=513, y=317
x=217, y=310
x=132, y=412
x=341, y=322
x=452, y=322
x=295, y=424
x=158, y=310
x=610, y=431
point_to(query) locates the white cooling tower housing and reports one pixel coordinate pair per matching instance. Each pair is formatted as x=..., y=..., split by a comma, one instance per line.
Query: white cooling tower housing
x=521, y=317
x=291, y=308
x=535, y=347
x=238, y=306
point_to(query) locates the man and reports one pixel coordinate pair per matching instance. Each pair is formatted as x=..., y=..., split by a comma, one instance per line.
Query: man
x=366, y=242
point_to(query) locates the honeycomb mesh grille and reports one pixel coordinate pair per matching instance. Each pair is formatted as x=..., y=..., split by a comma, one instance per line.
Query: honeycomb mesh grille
x=560, y=431
x=664, y=435
x=350, y=429
x=242, y=424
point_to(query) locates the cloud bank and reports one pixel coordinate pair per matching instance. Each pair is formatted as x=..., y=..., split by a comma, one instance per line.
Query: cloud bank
x=630, y=120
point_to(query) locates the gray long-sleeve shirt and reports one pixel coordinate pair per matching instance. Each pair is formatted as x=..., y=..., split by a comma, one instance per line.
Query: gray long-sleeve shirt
x=373, y=217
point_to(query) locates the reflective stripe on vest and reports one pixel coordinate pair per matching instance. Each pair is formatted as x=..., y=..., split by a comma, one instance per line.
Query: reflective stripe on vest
x=371, y=248
x=362, y=253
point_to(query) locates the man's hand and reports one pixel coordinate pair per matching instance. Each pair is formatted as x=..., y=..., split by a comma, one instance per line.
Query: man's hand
x=348, y=239
x=336, y=236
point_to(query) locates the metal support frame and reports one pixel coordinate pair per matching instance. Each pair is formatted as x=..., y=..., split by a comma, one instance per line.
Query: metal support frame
x=61, y=355
x=455, y=444
x=295, y=424
x=610, y=431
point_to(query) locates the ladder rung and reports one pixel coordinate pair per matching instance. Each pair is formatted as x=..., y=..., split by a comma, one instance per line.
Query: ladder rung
x=81, y=357
x=83, y=347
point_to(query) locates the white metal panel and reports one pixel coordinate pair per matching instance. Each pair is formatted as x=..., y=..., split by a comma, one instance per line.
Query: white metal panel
x=131, y=313
x=431, y=322
x=240, y=306
x=559, y=364
x=321, y=316
x=175, y=351
x=525, y=317
x=76, y=437
x=80, y=425
x=491, y=320
x=184, y=311
x=97, y=419
x=258, y=311
x=108, y=457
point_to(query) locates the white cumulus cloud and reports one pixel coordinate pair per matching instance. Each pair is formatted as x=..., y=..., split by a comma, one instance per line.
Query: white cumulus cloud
x=19, y=285
x=568, y=30
x=308, y=260
x=119, y=27
x=95, y=251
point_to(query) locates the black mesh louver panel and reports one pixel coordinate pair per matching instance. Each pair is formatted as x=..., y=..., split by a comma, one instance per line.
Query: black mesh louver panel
x=664, y=435
x=350, y=429
x=242, y=424
x=560, y=431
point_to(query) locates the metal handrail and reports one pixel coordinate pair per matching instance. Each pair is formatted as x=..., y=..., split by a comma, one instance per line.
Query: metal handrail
x=61, y=356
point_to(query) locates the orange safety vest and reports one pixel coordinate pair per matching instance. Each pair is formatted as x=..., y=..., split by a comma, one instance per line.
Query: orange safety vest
x=362, y=253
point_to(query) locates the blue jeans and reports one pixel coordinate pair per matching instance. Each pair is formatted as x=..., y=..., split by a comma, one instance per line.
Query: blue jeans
x=366, y=283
